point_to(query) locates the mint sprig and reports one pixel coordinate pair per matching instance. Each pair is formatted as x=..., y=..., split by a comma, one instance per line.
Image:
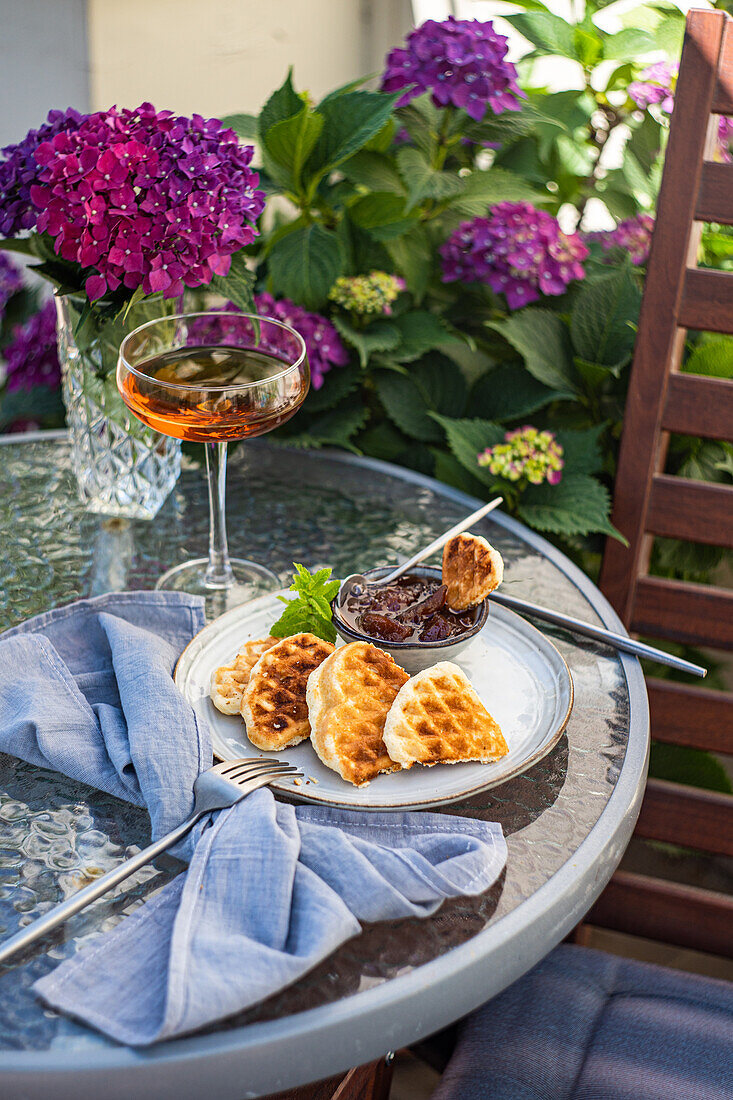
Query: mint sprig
x=310, y=611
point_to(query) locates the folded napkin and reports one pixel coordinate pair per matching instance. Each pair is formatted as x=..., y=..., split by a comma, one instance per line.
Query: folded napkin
x=270, y=890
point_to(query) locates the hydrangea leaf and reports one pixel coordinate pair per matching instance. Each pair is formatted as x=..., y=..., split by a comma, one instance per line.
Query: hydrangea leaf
x=238, y=285
x=541, y=338
x=578, y=505
x=603, y=318
x=467, y=438
x=629, y=42
x=350, y=120
x=412, y=256
x=434, y=385
x=550, y=33
x=713, y=356
x=244, y=126
x=291, y=141
x=341, y=381
x=483, y=189
x=510, y=392
x=380, y=211
x=422, y=180
x=282, y=104
x=378, y=336
x=374, y=171
x=582, y=449
x=449, y=470
x=335, y=428
x=305, y=264
x=421, y=331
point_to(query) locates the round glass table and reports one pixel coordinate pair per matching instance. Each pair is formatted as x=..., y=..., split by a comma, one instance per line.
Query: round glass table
x=567, y=820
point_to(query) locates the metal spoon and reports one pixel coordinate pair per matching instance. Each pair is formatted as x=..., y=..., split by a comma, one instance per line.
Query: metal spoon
x=356, y=584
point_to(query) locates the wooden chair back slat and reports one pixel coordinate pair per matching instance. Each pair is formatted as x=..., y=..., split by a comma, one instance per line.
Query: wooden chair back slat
x=699, y=406
x=707, y=301
x=701, y=511
x=723, y=96
x=690, y=818
x=694, y=717
x=715, y=201
x=659, y=344
x=683, y=915
x=696, y=614
x=649, y=503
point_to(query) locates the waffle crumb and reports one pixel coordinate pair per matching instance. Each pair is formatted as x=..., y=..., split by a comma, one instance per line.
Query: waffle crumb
x=297, y=782
x=312, y=778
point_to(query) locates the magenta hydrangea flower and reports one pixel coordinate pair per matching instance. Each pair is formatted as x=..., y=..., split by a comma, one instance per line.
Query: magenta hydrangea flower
x=725, y=137
x=655, y=86
x=11, y=281
x=460, y=62
x=633, y=235
x=19, y=171
x=145, y=198
x=526, y=455
x=322, y=341
x=518, y=251
x=31, y=358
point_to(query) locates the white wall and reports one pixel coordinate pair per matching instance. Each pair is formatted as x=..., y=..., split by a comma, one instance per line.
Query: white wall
x=221, y=56
x=43, y=62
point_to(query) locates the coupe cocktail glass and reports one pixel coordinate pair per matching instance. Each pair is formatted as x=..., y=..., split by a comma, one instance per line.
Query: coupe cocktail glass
x=211, y=378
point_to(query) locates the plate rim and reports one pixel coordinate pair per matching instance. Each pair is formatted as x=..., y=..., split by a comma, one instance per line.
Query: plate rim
x=397, y=807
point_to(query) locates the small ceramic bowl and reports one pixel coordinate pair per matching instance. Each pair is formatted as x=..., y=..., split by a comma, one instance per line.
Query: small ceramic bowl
x=414, y=656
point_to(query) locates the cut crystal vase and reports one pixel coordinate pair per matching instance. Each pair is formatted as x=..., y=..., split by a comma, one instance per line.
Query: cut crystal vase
x=122, y=468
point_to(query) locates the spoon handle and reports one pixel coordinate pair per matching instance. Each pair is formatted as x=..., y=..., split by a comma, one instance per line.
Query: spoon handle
x=441, y=540
x=598, y=634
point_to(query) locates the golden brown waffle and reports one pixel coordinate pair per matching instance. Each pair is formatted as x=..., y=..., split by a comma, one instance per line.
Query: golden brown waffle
x=471, y=568
x=273, y=705
x=348, y=700
x=229, y=681
x=438, y=718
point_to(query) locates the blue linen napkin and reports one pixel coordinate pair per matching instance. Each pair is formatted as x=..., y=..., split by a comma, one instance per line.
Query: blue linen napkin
x=271, y=889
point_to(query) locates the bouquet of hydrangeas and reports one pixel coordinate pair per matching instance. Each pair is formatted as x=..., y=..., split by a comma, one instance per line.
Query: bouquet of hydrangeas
x=119, y=206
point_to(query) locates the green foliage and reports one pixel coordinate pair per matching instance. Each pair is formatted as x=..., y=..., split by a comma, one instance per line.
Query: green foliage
x=310, y=611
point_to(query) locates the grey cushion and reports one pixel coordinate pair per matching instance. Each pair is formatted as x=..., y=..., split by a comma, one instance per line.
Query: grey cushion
x=584, y=1025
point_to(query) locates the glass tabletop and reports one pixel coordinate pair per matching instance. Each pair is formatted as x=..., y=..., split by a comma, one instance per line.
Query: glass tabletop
x=316, y=508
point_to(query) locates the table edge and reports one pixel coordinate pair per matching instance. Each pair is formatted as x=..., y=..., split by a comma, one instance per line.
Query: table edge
x=324, y=1040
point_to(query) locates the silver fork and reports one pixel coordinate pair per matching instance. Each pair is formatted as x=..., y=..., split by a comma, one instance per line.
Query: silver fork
x=223, y=785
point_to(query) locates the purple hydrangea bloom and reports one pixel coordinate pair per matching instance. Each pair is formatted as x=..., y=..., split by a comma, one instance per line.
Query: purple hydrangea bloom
x=655, y=85
x=145, y=198
x=19, y=171
x=518, y=251
x=322, y=341
x=634, y=236
x=460, y=62
x=11, y=281
x=31, y=358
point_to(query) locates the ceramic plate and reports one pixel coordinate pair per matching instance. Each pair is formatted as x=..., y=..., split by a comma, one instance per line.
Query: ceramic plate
x=519, y=674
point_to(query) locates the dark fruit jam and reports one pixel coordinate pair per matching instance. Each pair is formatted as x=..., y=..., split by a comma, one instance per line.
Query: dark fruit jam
x=411, y=609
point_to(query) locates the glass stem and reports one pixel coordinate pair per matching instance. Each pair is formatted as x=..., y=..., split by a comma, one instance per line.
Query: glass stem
x=219, y=571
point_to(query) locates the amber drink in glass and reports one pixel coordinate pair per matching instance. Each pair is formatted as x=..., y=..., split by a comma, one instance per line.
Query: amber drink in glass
x=210, y=378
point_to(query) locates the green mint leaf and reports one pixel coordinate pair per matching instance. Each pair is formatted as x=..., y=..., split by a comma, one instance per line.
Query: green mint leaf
x=310, y=610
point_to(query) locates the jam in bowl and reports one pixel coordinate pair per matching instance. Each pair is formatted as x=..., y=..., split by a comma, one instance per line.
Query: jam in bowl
x=409, y=618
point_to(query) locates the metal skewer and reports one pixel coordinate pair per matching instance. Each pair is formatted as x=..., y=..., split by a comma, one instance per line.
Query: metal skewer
x=356, y=583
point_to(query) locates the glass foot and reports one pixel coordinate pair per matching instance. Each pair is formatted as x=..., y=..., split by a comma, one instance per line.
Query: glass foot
x=250, y=580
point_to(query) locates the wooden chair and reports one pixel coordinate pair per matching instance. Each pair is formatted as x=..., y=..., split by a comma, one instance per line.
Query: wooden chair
x=648, y=502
